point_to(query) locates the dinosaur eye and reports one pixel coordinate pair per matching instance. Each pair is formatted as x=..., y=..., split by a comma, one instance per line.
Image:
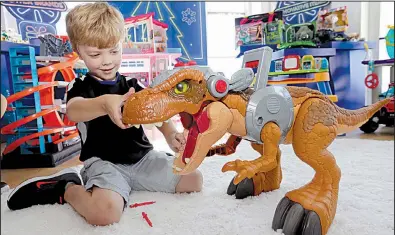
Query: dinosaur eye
x=181, y=87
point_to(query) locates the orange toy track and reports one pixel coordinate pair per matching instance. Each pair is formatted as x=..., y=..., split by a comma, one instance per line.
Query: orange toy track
x=56, y=138
x=26, y=92
x=22, y=140
x=69, y=137
x=51, y=116
x=48, y=74
x=10, y=128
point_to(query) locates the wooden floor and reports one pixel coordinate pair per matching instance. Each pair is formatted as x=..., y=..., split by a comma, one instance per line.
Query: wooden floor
x=15, y=177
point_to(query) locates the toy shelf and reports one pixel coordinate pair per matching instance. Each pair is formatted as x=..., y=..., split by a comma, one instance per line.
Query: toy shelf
x=313, y=77
x=326, y=51
x=316, y=52
x=378, y=63
x=299, y=72
x=317, y=77
x=19, y=110
x=321, y=79
x=348, y=72
x=348, y=45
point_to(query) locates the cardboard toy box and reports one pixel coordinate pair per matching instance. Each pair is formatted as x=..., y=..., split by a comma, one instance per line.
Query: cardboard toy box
x=252, y=29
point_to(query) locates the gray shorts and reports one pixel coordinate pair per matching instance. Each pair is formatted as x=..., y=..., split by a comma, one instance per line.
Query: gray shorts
x=152, y=173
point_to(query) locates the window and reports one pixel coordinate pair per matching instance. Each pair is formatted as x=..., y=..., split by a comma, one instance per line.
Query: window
x=221, y=51
x=221, y=43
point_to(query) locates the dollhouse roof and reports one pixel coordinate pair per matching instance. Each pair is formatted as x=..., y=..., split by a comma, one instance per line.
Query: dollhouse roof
x=135, y=19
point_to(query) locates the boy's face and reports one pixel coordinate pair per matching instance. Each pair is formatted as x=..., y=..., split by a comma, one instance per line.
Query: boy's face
x=102, y=63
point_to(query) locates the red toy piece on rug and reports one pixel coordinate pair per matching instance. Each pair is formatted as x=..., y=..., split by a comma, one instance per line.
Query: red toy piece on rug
x=145, y=216
x=141, y=204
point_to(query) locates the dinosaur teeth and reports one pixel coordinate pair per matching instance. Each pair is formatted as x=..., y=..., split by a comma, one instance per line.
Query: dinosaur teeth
x=137, y=126
x=149, y=126
x=158, y=124
x=187, y=160
x=177, y=168
x=168, y=120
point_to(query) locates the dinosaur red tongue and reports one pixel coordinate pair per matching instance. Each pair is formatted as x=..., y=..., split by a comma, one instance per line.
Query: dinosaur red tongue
x=200, y=124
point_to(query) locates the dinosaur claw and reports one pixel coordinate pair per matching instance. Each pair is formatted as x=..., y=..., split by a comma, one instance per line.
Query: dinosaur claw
x=242, y=190
x=245, y=169
x=292, y=218
x=232, y=187
x=237, y=179
x=240, y=177
x=230, y=166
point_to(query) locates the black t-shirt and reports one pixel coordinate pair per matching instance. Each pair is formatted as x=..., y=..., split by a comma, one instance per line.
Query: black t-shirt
x=100, y=137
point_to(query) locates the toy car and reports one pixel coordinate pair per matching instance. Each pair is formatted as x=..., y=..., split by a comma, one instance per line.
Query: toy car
x=384, y=116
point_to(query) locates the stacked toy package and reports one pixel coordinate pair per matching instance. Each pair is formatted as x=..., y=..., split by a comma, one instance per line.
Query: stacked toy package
x=259, y=29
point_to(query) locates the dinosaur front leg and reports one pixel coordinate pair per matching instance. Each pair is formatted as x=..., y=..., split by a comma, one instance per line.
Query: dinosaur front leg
x=312, y=208
x=260, y=182
x=271, y=135
x=225, y=149
x=268, y=181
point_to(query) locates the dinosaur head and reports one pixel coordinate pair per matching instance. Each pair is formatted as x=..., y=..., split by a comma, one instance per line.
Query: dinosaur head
x=186, y=92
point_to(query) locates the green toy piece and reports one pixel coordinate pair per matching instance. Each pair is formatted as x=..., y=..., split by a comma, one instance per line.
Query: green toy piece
x=274, y=32
x=299, y=35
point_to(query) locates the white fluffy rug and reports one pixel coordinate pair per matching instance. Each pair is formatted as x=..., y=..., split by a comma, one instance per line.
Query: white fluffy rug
x=366, y=200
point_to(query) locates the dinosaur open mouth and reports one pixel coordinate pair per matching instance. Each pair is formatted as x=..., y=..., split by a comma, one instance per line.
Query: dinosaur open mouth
x=196, y=124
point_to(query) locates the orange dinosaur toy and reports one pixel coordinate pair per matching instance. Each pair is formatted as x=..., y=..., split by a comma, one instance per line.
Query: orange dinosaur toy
x=211, y=106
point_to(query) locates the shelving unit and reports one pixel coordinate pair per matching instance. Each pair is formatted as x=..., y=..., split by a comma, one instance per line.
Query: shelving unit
x=319, y=79
x=21, y=109
x=37, y=131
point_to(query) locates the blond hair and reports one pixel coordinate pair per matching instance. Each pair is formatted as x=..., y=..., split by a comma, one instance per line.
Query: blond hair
x=94, y=24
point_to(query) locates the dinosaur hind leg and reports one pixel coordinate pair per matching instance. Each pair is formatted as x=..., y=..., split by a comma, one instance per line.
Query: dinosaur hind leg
x=312, y=208
x=260, y=182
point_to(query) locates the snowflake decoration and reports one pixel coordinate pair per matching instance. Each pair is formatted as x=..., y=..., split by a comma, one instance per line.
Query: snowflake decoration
x=188, y=16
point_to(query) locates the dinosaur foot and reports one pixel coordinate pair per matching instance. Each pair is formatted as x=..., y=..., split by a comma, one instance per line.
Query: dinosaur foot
x=293, y=219
x=242, y=190
x=260, y=182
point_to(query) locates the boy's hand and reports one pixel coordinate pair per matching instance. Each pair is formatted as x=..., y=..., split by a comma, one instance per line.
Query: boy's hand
x=176, y=141
x=113, y=105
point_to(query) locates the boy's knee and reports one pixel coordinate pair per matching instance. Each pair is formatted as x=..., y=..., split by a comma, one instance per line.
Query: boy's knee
x=104, y=213
x=192, y=182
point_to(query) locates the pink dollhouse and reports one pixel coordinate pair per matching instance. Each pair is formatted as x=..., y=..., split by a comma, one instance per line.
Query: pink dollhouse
x=145, y=52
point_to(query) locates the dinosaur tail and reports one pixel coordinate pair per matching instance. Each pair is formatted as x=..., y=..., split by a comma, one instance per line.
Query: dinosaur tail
x=351, y=119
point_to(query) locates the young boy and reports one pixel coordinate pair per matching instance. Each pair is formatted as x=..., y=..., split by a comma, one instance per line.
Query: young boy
x=117, y=158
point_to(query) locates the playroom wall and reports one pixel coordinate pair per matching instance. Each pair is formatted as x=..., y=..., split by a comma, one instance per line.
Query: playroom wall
x=358, y=12
x=363, y=19
x=8, y=21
